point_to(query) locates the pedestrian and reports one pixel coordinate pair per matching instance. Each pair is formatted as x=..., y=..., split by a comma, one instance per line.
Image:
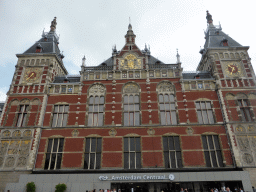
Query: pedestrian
x=241, y=190
x=181, y=190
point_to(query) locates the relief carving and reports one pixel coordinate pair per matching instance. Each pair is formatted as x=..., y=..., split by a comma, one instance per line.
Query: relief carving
x=232, y=56
x=9, y=162
x=112, y=132
x=97, y=90
x=27, y=133
x=251, y=128
x=22, y=161
x=165, y=87
x=131, y=88
x=189, y=131
x=240, y=129
x=1, y=161
x=243, y=143
x=16, y=133
x=13, y=147
x=253, y=140
x=237, y=56
x=151, y=131
x=6, y=134
x=248, y=158
x=75, y=133
x=3, y=147
x=24, y=148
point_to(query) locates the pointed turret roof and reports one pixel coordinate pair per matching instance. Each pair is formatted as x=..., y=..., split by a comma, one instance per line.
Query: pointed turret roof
x=215, y=36
x=48, y=43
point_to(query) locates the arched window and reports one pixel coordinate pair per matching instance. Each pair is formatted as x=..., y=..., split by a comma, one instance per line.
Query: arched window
x=167, y=103
x=244, y=106
x=96, y=105
x=131, y=104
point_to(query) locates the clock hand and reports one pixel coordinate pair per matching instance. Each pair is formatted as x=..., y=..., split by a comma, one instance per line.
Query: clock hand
x=30, y=76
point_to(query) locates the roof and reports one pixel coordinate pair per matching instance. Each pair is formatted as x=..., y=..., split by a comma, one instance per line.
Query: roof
x=48, y=42
x=70, y=79
x=197, y=75
x=214, y=37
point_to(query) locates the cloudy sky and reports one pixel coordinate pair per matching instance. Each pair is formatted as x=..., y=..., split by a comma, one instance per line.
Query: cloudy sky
x=91, y=28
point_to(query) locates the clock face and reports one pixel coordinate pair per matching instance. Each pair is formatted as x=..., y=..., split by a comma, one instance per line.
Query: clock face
x=32, y=75
x=233, y=69
x=131, y=62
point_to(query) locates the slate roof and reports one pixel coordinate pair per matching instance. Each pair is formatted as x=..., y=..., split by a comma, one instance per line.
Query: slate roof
x=214, y=36
x=199, y=75
x=48, y=46
x=71, y=79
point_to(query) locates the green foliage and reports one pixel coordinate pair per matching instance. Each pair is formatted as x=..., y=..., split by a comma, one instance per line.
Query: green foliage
x=60, y=187
x=31, y=187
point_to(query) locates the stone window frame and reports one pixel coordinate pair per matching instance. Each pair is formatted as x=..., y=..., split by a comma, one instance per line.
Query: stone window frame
x=100, y=92
x=131, y=93
x=89, y=138
x=242, y=98
x=63, y=113
x=170, y=92
x=220, y=150
x=172, y=150
x=212, y=109
x=127, y=151
x=22, y=116
x=50, y=151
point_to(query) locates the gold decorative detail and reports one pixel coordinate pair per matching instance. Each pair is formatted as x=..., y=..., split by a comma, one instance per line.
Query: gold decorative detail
x=151, y=131
x=240, y=129
x=27, y=133
x=16, y=133
x=232, y=68
x=6, y=133
x=13, y=147
x=251, y=128
x=232, y=56
x=112, y=132
x=75, y=133
x=131, y=62
x=32, y=75
x=226, y=55
x=131, y=88
x=189, y=131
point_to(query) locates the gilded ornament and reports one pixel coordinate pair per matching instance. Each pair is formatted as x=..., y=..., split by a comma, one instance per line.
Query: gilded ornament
x=112, y=132
x=27, y=133
x=16, y=133
x=75, y=133
x=32, y=75
x=6, y=134
x=131, y=62
x=240, y=129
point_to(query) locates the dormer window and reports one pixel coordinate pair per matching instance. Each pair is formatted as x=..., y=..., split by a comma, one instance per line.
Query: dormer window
x=38, y=48
x=217, y=32
x=225, y=42
x=158, y=62
x=45, y=38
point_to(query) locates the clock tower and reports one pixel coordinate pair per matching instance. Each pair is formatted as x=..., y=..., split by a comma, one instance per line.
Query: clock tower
x=230, y=64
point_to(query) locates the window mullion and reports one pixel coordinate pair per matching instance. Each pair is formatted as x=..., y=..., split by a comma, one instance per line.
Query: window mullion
x=209, y=149
x=50, y=160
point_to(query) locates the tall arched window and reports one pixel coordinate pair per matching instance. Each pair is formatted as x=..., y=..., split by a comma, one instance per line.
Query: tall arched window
x=96, y=105
x=167, y=103
x=131, y=108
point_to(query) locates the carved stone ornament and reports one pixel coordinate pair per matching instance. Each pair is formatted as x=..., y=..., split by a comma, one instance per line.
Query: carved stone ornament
x=240, y=129
x=248, y=158
x=75, y=133
x=9, y=162
x=251, y=128
x=165, y=87
x=189, y=131
x=1, y=161
x=3, y=147
x=97, y=90
x=230, y=97
x=22, y=161
x=253, y=140
x=6, y=133
x=16, y=133
x=151, y=131
x=243, y=143
x=24, y=147
x=13, y=147
x=131, y=88
x=112, y=132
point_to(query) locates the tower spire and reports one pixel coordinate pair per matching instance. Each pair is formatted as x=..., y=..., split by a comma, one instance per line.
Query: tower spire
x=178, y=56
x=130, y=36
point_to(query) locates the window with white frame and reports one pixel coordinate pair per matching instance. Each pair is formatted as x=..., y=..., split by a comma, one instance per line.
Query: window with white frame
x=96, y=109
x=245, y=111
x=60, y=115
x=54, y=154
x=167, y=103
x=167, y=107
x=131, y=110
x=92, y=155
x=131, y=105
x=96, y=105
x=172, y=152
x=132, y=153
x=212, y=151
x=22, y=115
x=204, y=112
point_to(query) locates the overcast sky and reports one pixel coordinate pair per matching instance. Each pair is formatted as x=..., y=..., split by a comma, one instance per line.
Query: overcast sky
x=91, y=28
